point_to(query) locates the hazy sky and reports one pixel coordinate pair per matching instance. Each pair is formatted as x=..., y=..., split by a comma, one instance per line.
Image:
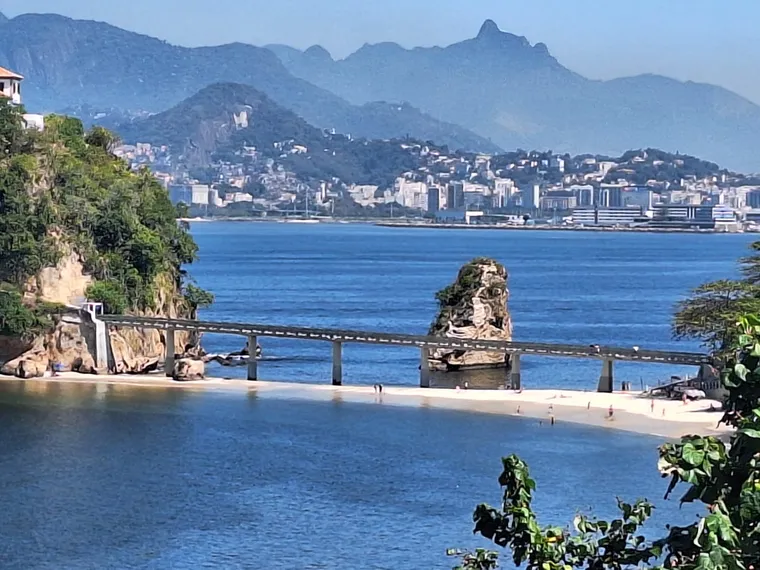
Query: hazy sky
x=701, y=40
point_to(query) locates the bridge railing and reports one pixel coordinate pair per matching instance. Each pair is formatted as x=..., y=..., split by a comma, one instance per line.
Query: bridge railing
x=425, y=343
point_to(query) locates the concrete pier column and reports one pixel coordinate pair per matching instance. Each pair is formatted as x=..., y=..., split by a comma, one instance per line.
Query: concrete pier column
x=337, y=363
x=169, y=357
x=515, y=379
x=606, y=378
x=424, y=367
x=253, y=363
x=101, y=345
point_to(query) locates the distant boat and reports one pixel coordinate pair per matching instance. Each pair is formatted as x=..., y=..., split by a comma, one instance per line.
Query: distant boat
x=300, y=221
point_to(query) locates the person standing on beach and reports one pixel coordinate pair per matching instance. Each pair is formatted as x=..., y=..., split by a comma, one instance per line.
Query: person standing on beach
x=610, y=412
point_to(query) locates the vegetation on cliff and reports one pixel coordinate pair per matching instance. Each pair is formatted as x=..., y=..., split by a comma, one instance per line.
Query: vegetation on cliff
x=725, y=477
x=62, y=190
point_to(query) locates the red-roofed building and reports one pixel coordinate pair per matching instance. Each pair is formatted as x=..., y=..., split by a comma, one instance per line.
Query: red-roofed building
x=10, y=85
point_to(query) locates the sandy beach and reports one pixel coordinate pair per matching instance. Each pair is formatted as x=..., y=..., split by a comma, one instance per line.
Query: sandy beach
x=630, y=412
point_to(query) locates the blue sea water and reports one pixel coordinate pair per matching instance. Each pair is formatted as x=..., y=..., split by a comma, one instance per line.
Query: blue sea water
x=582, y=288
x=96, y=476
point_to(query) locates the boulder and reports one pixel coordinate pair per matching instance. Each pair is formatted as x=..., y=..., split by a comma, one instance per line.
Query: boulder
x=473, y=307
x=186, y=369
x=30, y=367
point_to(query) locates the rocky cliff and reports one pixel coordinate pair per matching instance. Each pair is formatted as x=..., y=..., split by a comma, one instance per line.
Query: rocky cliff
x=68, y=342
x=475, y=307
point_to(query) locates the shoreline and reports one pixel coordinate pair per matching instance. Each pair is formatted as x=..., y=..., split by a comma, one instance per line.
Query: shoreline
x=388, y=223
x=669, y=419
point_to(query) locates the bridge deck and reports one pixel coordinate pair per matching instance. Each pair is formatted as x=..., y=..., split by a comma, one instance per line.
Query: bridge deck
x=365, y=337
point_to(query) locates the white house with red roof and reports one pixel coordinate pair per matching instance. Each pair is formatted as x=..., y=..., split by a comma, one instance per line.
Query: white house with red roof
x=10, y=85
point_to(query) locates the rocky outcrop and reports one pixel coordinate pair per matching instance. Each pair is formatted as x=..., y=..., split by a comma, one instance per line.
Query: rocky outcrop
x=69, y=345
x=65, y=283
x=474, y=307
x=186, y=369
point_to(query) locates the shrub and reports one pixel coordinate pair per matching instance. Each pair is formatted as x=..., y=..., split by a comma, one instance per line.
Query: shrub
x=111, y=293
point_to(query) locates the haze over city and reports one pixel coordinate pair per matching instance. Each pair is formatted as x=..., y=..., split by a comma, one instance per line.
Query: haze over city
x=698, y=40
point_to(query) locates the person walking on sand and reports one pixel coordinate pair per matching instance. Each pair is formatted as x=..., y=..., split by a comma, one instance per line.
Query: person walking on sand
x=380, y=388
x=610, y=412
x=651, y=407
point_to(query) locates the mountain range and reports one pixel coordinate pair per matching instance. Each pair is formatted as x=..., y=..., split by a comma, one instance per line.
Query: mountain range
x=520, y=96
x=69, y=64
x=494, y=90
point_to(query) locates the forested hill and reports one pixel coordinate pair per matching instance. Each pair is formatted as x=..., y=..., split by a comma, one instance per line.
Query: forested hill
x=64, y=198
x=222, y=120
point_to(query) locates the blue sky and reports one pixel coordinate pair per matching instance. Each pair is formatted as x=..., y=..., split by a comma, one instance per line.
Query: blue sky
x=696, y=40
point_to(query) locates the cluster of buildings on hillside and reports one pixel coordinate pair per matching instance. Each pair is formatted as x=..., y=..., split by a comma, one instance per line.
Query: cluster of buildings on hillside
x=514, y=188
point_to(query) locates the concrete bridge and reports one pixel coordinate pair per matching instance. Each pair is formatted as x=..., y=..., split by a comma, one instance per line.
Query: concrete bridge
x=607, y=355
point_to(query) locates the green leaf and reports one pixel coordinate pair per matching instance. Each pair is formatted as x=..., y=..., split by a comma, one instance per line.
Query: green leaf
x=692, y=455
x=753, y=433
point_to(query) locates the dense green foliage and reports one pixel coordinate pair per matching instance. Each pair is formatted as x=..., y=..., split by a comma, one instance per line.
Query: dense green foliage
x=461, y=290
x=725, y=477
x=63, y=190
x=712, y=310
x=16, y=318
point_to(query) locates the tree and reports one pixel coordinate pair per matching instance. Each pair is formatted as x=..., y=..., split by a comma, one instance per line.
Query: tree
x=197, y=298
x=102, y=138
x=111, y=293
x=725, y=477
x=713, y=309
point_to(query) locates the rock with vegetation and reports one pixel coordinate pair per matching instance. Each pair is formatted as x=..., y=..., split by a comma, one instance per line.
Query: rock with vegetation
x=76, y=224
x=473, y=307
x=723, y=476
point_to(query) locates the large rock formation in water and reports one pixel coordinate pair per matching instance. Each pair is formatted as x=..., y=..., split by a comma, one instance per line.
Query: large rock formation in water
x=473, y=307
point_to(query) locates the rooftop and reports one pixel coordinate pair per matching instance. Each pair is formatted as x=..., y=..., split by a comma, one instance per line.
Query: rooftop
x=8, y=74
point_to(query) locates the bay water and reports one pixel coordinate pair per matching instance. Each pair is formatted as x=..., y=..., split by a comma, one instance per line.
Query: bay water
x=95, y=476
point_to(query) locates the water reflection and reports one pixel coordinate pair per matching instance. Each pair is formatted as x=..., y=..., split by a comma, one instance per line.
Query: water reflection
x=485, y=379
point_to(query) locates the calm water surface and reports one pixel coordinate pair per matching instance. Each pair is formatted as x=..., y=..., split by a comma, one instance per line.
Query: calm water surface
x=95, y=477
x=573, y=287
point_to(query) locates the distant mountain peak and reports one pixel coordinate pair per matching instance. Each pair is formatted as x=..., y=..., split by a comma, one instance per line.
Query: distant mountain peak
x=489, y=29
x=490, y=36
x=319, y=53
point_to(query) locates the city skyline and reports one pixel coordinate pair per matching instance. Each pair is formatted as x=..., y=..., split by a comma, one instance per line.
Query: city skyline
x=696, y=41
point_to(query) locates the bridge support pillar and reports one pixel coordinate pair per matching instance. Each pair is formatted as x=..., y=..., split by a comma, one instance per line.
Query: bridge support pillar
x=337, y=363
x=253, y=365
x=606, y=378
x=515, y=379
x=169, y=356
x=424, y=367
